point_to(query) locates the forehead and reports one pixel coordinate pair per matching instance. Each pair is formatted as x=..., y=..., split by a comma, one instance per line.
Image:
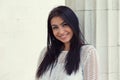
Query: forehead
x=56, y=20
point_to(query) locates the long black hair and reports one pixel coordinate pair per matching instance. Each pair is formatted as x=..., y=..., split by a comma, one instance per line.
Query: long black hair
x=54, y=46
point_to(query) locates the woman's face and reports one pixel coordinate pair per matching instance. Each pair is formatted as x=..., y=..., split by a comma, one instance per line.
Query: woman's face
x=61, y=30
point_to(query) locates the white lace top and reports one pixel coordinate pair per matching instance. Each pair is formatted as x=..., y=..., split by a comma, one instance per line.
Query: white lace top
x=88, y=69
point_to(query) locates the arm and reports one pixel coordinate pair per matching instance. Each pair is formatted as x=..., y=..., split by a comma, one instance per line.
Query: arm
x=90, y=68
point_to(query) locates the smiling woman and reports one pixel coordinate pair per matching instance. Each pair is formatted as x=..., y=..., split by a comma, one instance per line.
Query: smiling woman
x=62, y=31
x=67, y=56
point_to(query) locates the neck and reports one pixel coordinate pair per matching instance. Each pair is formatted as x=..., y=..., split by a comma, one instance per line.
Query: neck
x=67, y=46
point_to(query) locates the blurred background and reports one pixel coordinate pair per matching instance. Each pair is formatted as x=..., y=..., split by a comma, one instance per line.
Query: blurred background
x=23, y=34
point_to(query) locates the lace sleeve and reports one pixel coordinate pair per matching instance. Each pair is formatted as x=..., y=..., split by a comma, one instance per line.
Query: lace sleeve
x=90, y=68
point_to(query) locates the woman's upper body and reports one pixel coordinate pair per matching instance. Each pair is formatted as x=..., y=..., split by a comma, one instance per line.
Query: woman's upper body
x=67, y=57
x=88, y=69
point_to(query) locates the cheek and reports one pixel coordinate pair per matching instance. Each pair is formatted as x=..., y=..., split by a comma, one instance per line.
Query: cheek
x=71, y=32
x=54, y=33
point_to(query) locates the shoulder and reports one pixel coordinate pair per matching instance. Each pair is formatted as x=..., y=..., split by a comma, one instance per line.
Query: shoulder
x=86, y=51
x=42, y=54
x=87, y=47
x=43, y=50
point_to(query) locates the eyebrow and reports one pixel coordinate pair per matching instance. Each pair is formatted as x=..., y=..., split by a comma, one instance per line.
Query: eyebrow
x=60, y=23
x=53, y=25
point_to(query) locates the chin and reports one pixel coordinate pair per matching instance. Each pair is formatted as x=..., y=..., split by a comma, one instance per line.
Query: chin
x=65, y=41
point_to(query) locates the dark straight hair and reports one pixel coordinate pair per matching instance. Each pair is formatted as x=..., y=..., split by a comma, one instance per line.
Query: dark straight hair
x=54, y=46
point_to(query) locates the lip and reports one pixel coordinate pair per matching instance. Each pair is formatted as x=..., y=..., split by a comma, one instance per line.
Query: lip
x=63, y=36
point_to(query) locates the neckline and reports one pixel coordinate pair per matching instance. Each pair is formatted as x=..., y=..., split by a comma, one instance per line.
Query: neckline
x=64, y=51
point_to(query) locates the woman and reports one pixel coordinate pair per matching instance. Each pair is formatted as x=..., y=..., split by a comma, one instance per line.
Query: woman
x=66, y=57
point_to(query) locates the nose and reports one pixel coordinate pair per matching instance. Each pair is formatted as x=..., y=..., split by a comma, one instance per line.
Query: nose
x=61, y=30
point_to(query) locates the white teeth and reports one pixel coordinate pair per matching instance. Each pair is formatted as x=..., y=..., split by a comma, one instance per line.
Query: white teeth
x=63, y=36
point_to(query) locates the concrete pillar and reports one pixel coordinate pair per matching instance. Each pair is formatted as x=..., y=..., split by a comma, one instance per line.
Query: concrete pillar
x=101, y=27
x=113, y=39
x=102, y=37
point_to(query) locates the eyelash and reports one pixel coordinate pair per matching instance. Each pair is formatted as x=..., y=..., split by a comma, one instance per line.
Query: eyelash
x=64, y=24
x=55, y=27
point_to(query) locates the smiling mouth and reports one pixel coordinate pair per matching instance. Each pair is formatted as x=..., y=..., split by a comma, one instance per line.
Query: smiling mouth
x=63, y=36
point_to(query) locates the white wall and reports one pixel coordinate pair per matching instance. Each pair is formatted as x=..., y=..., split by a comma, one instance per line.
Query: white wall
x=22, y=36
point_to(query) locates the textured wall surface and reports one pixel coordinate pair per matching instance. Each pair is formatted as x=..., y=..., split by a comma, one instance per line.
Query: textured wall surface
x=100, y=25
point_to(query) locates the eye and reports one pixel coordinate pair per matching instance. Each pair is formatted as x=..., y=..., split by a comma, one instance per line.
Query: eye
x=54, y=27
x=64, y=24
